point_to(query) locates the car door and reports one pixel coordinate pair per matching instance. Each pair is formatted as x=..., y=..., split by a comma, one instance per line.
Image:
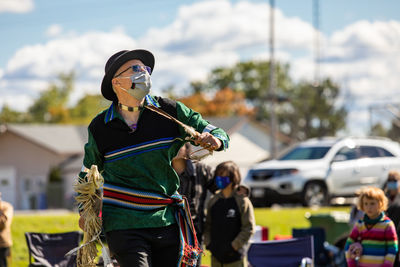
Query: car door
x=372, y=166
x=343, y=176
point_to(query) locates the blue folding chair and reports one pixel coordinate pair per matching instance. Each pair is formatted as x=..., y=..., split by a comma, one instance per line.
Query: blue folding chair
x=322, y=257
x=49, y=249
x=292, y=252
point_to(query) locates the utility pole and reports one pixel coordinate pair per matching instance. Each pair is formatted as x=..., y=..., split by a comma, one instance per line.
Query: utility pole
x=272, y=82
x=316, y=42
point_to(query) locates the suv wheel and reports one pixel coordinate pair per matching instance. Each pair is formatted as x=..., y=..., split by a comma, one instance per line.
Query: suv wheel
x=315, y=194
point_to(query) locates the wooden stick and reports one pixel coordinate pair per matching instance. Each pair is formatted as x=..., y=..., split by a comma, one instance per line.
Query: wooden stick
x=188, y=129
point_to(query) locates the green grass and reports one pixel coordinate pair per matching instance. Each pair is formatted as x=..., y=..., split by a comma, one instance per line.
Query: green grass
x=279, y=221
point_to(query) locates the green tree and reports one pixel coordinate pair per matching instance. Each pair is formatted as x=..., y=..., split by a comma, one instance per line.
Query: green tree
x=8, y=115
x=252, y=78
x=379, y=130
x=309, y=112
x=312, y=111
x=87, y=107
x=51, y=106
x=394, y=131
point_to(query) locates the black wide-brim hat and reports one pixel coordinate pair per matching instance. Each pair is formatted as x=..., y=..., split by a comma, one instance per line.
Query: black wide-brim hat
x=116, y=61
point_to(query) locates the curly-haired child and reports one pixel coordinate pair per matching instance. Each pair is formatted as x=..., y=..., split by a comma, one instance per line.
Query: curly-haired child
x=373, y=240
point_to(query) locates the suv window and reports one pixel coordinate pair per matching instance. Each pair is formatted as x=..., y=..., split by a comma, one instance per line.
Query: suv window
x=369, y=152
x=384, y=153
x=348, y=153
x=363, y=152
x=300, y=153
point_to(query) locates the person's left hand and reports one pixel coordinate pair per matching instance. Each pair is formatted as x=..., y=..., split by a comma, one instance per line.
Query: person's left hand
x=208, y=141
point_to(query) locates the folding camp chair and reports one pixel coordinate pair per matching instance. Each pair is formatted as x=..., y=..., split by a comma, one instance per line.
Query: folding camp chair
x=322, y=257
x=49, y=250
x=292, y=252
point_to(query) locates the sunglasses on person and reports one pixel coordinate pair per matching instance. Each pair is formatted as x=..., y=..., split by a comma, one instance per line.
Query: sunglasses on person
x=136, y=68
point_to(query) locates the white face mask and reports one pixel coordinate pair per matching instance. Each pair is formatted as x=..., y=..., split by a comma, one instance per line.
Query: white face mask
x=141, y=83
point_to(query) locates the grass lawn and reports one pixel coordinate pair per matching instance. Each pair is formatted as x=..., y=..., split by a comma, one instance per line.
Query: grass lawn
x=279, y=221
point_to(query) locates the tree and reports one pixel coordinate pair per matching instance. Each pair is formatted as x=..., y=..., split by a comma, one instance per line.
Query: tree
x=379, y=130
x=87, y=107
x=51, y=106
x=252, y=78
x=225, y=102
x=394, y=132
x=8, y=115
x=311, y=111
x=197, y=102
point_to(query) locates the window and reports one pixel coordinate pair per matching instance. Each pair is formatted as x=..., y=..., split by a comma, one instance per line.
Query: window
x=369, y=152
x=347, y=152
x=306, y=153
x=384, y=153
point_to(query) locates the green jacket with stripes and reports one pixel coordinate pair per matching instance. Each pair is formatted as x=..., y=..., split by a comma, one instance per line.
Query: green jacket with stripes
x=141, y=159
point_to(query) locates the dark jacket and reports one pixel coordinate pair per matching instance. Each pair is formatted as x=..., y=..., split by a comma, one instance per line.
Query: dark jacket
x=393, y=212
x=229, y=221
x=194, y=183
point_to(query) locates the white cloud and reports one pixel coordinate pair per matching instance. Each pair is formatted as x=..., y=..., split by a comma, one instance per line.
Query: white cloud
x=220, y=26
x=16, y=102
x=16, y=6
x=54, y=30
x=33, y=67
x=364, y=57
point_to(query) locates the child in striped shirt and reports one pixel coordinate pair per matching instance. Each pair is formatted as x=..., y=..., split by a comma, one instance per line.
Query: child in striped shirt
x=373, y=240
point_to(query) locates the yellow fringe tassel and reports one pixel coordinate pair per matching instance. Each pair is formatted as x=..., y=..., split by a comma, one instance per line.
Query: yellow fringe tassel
x=89, y=199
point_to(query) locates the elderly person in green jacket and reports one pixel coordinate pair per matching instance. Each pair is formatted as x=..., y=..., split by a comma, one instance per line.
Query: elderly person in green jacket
x=132, y=147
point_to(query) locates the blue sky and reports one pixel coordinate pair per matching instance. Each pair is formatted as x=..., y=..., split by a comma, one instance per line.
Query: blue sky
x=359, y=44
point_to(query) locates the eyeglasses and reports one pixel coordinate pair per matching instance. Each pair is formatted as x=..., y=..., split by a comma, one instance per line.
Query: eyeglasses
x=136, y=68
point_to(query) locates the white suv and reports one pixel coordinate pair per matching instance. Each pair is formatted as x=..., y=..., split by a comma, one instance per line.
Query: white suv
x=315, y=170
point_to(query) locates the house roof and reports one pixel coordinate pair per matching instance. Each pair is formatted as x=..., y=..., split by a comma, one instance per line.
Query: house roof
x=229, y=124
x=254, y=131
x=61, y=139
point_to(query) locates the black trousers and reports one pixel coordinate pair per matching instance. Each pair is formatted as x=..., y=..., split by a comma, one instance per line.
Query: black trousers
x=4, y=253
x=145, y=247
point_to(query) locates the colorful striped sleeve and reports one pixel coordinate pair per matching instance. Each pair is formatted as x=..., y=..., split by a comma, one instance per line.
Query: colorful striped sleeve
x=350, y=240
x=391, y=244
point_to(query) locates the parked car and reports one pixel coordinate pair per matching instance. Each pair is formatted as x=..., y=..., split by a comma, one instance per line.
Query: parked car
x=314, y=171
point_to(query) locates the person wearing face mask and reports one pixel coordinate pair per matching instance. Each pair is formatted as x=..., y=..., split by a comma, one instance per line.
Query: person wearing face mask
x=132, y=147
x=393, y=211
x=230, y=220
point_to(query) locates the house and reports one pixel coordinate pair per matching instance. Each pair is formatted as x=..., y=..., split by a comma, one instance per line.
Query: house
x=28, y=152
